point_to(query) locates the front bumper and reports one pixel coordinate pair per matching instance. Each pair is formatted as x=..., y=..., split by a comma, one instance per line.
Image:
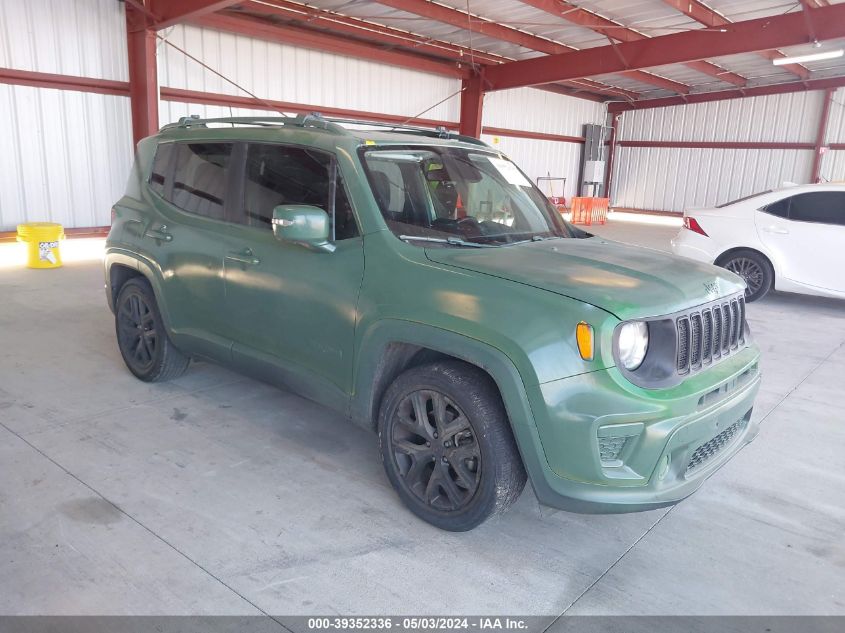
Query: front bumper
x=674, y=439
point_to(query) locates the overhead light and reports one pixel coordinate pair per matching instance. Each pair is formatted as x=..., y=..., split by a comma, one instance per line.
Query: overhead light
x=812, y=57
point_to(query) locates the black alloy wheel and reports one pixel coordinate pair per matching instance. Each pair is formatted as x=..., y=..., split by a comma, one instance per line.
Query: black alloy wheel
x=137, y=332
x=435, y=450
x=447, y=445
x=143, y=341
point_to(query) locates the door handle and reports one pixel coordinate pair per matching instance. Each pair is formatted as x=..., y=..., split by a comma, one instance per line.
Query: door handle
x=159, y=233
x=245, y=257
x=776, y=229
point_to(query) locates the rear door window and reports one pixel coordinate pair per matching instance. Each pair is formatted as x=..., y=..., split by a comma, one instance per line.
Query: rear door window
x=820, y=207
x=200, y=178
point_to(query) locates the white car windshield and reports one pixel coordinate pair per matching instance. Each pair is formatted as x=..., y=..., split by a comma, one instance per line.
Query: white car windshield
x=459, y=196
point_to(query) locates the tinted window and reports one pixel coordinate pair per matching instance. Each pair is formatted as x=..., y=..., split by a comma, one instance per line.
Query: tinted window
x=779, y=208
x=200, y=178
x=824, y=207
x=278, y=174
x=161, y=165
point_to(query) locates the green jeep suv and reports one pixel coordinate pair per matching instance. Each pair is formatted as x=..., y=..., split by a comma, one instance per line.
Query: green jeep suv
x=419, y=284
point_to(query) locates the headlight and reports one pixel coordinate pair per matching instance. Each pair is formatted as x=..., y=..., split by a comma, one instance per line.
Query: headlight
x=632, y=344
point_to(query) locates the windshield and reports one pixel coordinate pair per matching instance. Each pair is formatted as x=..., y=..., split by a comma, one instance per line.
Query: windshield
x=444, y=193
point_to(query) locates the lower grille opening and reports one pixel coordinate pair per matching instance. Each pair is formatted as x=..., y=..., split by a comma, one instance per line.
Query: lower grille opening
x=707, y=451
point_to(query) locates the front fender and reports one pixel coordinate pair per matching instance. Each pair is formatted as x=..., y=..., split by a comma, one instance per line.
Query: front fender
x=502, y=370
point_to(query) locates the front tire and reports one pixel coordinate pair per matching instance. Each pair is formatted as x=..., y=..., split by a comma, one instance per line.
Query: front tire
x=754, y=269
x=447, y=446
x=144, y=344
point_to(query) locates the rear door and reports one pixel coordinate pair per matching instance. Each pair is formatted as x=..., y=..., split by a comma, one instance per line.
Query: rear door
x=288, y=305
x=185, y=239
x=806, y=233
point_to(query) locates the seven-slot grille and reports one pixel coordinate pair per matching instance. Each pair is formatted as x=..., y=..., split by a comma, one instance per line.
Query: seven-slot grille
x=709, y=333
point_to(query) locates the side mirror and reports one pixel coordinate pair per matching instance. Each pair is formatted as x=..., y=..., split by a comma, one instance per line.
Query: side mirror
x=304, y=224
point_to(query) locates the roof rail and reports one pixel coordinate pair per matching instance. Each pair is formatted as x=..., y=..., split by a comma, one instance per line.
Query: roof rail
x=301, y=120
x=438, y=132
x=315, y=119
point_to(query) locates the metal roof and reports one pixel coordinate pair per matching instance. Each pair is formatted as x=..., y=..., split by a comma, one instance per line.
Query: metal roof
x=633, y=18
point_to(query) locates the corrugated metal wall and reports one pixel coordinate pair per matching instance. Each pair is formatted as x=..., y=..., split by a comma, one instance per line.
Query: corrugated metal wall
x=548, y=113
x=541, y=111
x=672, y=179
x=284, y=73
x=776, y=118
x=64, y=156
x=833, y=162
x=86, y=38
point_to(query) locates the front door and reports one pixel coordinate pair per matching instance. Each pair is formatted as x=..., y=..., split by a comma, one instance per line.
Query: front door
x=287, y=305
x=806, y=233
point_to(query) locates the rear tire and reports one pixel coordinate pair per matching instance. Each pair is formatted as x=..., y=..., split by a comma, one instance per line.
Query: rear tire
x=447, y=445
x=754, y=269
x=143, y=341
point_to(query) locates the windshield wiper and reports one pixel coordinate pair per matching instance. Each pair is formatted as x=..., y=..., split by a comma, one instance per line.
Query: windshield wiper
x=453, y=241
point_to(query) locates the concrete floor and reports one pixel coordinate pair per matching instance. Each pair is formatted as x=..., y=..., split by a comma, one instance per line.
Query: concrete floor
x=216, y=494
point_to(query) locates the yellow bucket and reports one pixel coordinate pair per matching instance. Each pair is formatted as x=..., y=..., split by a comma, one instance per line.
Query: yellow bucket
x=42, y=239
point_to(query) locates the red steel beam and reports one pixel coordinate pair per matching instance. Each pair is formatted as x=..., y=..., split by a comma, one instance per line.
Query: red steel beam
x=372, y=32
x=537, y=136
x=395, y=37
x=819, y=147
x=170, y=12
x=462, y=20
x=292, y=36
x=472, y=105
x=715, y=144
x=612, y=142
x=703, y=14
x=749, y=36
x=143, y=77
x=616, y=31
x=210, y=98
x=704, y=97
x=63, y=82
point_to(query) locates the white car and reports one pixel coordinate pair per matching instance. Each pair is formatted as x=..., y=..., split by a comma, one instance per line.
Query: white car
x=790, y=239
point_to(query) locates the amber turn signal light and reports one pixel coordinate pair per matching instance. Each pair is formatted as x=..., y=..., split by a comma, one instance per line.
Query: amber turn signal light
x=584, y=336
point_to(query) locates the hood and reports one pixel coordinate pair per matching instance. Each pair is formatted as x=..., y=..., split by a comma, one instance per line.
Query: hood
x=627, y=281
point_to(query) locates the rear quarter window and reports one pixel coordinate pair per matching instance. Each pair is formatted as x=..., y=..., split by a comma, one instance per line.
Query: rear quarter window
x=779, y=208
x=160, y=175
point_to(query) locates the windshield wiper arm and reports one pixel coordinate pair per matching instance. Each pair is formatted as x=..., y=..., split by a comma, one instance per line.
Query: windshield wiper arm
x=454, y=241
